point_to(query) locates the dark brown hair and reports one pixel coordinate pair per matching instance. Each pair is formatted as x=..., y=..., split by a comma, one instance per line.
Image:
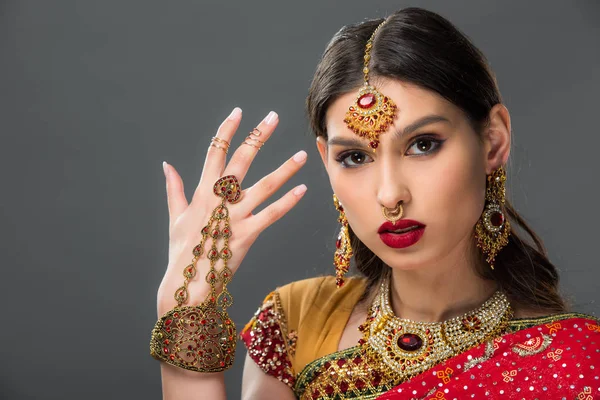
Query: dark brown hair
x=423, y=48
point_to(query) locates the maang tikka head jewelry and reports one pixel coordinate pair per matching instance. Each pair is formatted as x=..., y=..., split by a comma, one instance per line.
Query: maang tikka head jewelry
x=493, y=228
x=372, y=112
x=343, y=248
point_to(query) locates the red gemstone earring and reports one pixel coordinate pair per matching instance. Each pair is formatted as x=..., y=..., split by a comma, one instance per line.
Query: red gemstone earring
x=493, y=228
x=372, y=112
x=343, y=249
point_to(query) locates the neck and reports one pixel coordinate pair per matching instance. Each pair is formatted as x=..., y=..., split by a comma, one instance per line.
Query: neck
x=448, y=289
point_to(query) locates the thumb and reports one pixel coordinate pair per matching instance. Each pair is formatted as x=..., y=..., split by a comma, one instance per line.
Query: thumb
x=176, y=200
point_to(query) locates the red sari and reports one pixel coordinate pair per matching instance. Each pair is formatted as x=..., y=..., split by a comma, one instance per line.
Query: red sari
x=552, y=360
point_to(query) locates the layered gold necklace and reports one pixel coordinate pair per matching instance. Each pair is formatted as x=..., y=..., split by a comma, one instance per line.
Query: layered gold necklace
x=405, y=348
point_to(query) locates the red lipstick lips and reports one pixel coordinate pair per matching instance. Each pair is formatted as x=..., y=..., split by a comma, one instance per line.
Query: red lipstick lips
x=401, y=240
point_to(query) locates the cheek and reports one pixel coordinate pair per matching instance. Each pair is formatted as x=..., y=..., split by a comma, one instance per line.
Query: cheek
x=347, y=188
x=456, y=190
x=353, y=194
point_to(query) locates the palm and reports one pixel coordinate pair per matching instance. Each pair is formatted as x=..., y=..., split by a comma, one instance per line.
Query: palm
x=186, y=221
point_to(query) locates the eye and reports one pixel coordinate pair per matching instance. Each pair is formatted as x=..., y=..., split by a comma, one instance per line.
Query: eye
x=425, y=145
x=351, y=159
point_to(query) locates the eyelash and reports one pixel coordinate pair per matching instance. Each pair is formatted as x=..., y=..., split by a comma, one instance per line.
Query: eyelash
x=341, y=158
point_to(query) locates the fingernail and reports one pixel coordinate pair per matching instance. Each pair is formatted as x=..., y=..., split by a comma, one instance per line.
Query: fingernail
x=300, y=156
x=271, y=118
x=165, y=169
x=300, y=190
x=235, y=113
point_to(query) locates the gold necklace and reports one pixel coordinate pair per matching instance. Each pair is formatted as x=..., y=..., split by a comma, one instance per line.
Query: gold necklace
x=405, y=348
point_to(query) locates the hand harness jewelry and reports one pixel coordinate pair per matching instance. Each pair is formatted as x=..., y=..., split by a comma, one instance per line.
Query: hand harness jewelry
x=405, y=348
x=203, y=338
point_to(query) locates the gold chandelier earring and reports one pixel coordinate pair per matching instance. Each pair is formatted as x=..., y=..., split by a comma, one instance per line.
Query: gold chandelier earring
x=343, y=249
x=493, y=228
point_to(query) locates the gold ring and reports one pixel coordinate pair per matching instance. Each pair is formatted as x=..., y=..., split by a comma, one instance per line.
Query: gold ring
x=225, y=142
x=395, y=215
x=255, y=139
x=252, y=144
x=213, y=144
x=256, y=134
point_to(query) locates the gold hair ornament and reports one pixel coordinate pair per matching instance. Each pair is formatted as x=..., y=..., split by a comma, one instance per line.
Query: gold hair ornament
x=203, y=338
x=372, y=112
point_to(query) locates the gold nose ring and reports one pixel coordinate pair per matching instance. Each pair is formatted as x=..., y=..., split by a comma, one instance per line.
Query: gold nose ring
x=393, y=215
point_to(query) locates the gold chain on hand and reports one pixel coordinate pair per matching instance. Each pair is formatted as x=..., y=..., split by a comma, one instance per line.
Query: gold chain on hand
x=203, y=338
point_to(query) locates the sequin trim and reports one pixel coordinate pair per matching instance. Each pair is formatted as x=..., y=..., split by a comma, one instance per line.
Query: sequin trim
x=268, y=341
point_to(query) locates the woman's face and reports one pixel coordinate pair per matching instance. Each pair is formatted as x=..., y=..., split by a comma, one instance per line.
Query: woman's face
x=437, y=168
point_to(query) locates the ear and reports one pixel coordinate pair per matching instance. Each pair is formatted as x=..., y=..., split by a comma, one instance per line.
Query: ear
x=322, y=147
x=497, y=139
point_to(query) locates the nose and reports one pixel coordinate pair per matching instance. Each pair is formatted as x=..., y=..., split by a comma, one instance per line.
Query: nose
x=392, y=187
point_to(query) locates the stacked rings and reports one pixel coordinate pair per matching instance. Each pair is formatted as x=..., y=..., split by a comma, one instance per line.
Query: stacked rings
x=252, y=140
x=215, y=143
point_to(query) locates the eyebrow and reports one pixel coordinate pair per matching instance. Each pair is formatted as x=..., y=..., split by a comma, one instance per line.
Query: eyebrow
x=421, y=122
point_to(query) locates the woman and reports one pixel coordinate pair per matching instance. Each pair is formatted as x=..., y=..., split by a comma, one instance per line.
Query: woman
x=451, y=301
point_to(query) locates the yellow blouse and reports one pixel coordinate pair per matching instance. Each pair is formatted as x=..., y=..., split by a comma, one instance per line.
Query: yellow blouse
x=310, y=316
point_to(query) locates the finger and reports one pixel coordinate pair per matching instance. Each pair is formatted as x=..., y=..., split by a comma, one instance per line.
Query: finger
x=264, y=188
x=274, y=211
x=176, y=200
x=243, y=156
x=214, y=163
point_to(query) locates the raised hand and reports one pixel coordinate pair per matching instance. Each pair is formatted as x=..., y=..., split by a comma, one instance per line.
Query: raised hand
x=187, y=220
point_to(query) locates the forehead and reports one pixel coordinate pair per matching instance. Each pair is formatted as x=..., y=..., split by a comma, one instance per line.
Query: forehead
x=413, y=103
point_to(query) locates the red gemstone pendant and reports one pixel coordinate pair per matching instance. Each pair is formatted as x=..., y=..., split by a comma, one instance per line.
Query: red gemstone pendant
x=497, y=219
x=410, y=342
x=367, y=100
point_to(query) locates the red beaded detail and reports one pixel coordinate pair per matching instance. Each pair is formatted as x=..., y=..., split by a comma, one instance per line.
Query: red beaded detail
x=229, y=188
x=346, y=374
x=207, y=347
x=268, y=326
x=370, y=115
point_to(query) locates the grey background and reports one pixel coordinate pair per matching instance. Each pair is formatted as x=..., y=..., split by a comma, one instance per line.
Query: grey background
x=96, y=94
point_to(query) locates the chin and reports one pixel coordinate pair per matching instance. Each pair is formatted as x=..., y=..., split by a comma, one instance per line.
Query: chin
x=406, y=266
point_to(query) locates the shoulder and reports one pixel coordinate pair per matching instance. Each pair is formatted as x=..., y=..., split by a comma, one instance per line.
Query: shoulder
x=319, y=294
x=316, y=300
x=297, y=321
